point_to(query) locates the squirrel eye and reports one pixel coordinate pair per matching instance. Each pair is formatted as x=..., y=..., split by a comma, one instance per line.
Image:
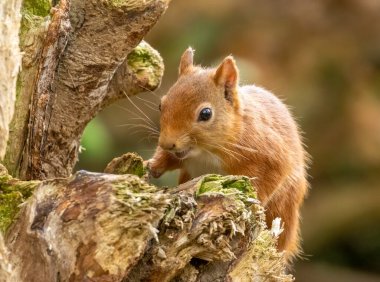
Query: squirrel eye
x=205, y=114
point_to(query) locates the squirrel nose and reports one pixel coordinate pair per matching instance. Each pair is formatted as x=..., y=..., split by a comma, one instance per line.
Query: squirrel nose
x=167, y=145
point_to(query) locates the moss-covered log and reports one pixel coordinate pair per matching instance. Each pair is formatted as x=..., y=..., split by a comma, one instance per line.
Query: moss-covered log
x=79, y=56
x=90, y=226
x=106, y=227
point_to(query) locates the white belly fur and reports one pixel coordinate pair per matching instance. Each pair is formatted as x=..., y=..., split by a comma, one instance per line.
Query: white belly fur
x=203, y=163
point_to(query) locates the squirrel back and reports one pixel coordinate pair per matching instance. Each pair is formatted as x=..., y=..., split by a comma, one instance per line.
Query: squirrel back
x=210, y=124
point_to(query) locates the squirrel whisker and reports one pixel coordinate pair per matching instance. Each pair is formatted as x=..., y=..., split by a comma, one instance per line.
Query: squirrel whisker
x=150, y=91
x=137, y=116
x=147, y=101
x=130, y=100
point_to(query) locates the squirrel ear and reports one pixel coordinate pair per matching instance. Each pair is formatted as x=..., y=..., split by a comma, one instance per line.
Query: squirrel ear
x=227, y=75
x=186, y=62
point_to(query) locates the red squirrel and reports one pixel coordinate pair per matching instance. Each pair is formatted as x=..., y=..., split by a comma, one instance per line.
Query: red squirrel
x=210, y=124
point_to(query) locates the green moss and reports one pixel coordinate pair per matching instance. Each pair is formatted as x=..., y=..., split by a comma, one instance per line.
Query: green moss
x=146, y=64
x=18, y=86
x=137, y=168
x=139, y=196
x=9, y=206
x=239, y=186
x=36, y=7
x=12, y=193
x=117, y=2
x=263, y=261
x=29, y=22
x=133, y=166
x=34, y=14
x=122, y=3
x=130, y=163
x=134, y=184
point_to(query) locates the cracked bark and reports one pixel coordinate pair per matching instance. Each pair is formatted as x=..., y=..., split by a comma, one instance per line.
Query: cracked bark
x=107, y=227
x=83, y=64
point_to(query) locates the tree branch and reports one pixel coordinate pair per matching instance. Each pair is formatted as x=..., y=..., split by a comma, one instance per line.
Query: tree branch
x=84, y=66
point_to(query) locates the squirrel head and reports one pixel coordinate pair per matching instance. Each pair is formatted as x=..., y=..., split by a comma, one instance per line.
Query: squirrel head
x=200, y=111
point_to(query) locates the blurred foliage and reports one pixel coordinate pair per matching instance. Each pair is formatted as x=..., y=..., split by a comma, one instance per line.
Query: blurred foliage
x=323, y=59
x=96, y=146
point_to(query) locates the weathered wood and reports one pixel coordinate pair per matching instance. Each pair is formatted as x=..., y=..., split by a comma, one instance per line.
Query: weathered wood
x=105, y=227
x=129, y=163
x=10, y=62
x=86, y=61
x=5, y=266
x=89, y=226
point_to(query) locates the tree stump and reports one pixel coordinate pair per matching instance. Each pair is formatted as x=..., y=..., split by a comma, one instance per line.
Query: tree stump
x=107, y=227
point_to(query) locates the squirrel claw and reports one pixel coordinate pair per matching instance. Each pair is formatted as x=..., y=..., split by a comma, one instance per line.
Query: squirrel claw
x=154, y=172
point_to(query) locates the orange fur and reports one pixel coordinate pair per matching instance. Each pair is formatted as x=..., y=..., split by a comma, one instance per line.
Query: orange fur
x=251, y=132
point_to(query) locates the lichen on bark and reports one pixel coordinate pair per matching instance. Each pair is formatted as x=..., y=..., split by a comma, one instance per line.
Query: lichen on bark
x=13, y=193
x=95, y=226
x=146, y=63
x=129, y=163
x=39, y=8
x=213, y=219
x=238, y=186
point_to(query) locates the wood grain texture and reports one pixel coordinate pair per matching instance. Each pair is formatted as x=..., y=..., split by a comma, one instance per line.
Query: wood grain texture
x=10, y=62
x=88, y=59
x=106, y=227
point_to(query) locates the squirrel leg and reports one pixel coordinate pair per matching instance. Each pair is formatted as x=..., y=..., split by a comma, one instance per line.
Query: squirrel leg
x=286, y=205
x=184, y=176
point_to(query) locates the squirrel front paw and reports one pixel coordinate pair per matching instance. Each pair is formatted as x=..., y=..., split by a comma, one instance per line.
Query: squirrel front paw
x=153, y=168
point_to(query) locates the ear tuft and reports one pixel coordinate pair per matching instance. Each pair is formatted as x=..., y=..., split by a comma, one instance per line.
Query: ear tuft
x=186, y=62
x=227, y=75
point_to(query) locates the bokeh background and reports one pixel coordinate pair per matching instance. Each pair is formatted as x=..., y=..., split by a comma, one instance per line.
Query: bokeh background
x=323, y=58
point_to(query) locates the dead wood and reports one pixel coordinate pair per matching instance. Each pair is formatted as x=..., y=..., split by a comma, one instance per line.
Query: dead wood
x=105, y=227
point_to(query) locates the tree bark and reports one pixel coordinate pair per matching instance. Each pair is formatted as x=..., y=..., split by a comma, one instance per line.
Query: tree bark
x=76, y=63
x=106, y=227
x=9, y=25
x=11, y=58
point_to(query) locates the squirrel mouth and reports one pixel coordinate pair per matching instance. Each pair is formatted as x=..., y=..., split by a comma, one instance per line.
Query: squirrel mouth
x=182, y=154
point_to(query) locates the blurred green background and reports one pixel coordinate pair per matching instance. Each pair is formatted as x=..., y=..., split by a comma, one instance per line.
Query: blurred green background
x=323, y=58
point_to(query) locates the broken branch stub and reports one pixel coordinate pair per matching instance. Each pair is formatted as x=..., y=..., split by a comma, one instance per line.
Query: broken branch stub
x=129, y=163
x=211, y=219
